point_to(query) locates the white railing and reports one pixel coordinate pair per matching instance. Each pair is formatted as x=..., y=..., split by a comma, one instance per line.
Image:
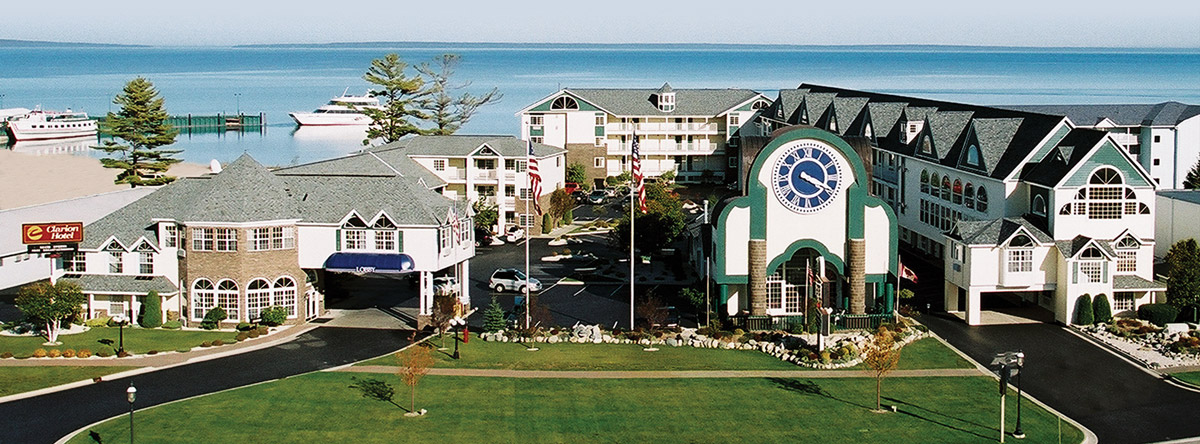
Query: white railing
x=668, y=127
x=454, y=174
x=660, y=147
x=1125, y=139
x=485, y=174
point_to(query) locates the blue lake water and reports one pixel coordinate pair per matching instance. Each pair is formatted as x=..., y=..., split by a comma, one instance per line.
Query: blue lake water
x=278, y=80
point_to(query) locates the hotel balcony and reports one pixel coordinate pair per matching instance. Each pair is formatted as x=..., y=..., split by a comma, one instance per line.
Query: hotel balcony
x=485, y=174
x=453, y=174
x=664, y=148
x=662, y=128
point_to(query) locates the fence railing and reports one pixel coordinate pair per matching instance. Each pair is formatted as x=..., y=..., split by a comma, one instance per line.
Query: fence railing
x=863, y=322
x=796, y=323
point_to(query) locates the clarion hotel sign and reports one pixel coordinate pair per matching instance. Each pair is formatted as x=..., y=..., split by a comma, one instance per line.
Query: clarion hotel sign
x=52, y=237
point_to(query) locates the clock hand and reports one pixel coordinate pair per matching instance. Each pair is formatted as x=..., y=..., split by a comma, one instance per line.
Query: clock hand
x=815, y=182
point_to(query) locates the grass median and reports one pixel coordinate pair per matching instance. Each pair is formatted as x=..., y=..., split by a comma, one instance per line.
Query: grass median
x=137, y=340
x=15, y=380
x=319, y=407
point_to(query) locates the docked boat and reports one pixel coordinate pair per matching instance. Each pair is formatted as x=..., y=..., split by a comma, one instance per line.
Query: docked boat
x=344, y=110
x=45, y=125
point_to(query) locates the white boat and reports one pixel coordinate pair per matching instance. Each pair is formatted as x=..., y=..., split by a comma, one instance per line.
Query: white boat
x=344, y=110
x=45, y=125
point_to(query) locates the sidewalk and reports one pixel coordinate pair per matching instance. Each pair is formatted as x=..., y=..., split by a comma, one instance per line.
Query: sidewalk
x=653, y=374
x=284, y=334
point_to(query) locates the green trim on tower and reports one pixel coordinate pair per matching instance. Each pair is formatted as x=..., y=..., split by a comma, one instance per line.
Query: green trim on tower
x=1107, y=155
x=801, y=244
x=545, y=105
x=599, y=130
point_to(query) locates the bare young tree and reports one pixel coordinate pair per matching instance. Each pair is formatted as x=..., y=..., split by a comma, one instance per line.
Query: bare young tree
x=882, y=357
x=443, y=313
x=414, y=363
x=446, y=111
x=650, y=309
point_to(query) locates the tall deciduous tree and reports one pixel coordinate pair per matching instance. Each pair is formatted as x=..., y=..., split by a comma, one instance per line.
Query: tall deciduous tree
x=576, y=172
x=142, y=126
x=560, y=203
x=882, y=357
x=400, y=97
x=447, y=111
x=1183, y=286
x=658, y=227
x=49, y=305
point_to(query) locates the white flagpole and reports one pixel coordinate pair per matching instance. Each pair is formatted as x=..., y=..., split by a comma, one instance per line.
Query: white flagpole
x=632, y=202
x=528, y=183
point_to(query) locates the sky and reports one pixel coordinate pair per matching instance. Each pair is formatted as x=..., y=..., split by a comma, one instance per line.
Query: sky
x=1097, y=23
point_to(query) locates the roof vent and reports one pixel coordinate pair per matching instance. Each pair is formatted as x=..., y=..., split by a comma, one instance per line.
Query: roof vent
x=665, y=98
x=214, y=166
x=911, y=129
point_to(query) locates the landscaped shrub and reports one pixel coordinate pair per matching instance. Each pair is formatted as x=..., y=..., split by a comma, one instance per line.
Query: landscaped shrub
x=6, y=355
x=244, y=326
x=242, y=336
x=493, y=317
x=253, y=334
x=68, y=353
x=123, y=354
x=39, y=353
x=1083, y=310
x=84, y=353
x=152, y=311
x=173, y=325
x=273, y=316
x=213, y=318
x=172, y=315
x=217, y=342
x=1158, y=314
x=206, y=344
x=262, y=330
x=54, y=353
x=104, y=353
x=547, y=223
x=1101, y=309
x=97, y=322
x=152, y=352
x=569, y=216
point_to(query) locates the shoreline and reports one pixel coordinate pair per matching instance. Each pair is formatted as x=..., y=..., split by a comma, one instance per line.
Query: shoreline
x=30, y=179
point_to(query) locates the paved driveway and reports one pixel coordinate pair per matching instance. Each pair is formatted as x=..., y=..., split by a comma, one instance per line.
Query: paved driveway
x=46, y=418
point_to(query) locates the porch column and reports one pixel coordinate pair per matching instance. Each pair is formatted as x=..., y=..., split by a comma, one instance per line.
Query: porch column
x=858, y=277
x=973, y=307
x=464, y=289
x=758, y=277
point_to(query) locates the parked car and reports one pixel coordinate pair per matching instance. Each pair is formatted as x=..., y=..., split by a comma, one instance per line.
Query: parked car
x=504, y=279
x=597, y=196
x=579, y=195
x=482, y=237
x=572, y=187
x=514, y=234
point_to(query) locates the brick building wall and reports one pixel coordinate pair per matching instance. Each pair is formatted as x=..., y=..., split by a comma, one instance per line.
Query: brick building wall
x=241, y=266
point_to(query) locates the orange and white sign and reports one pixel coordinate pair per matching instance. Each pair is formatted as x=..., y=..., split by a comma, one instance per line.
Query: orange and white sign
x=52, y=233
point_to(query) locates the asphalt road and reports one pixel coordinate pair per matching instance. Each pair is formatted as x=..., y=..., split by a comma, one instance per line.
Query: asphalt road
x=46, y=418
x=1115, y=399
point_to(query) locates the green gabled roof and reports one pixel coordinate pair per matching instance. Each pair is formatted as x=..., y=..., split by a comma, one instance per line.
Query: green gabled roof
x=121, y=283
x=1106, y=154
x=995, y=231
x=639, y=102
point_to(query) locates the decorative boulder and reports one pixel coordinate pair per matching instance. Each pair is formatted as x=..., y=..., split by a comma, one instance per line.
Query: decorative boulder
x=1173, y=328
x=553, y=339
x=671, y=342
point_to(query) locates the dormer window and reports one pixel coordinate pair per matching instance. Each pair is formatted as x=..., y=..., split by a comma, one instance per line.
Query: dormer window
x=868, y=132
x=666, y=102
x=1039, y=205
x=910, y=129
x=1020, y=254
x=973, y=157
x=927, y=146
x=833, y=124
x=564, y=102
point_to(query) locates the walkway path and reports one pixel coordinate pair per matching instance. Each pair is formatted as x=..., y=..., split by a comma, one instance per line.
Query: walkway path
x=653, y=374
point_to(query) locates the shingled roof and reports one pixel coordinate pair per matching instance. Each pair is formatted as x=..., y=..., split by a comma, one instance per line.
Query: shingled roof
x=1158, y=114
x=1071, y=150
x=688, y=102
x=995, y=231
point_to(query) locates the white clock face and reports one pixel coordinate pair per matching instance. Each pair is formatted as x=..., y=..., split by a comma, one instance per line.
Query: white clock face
x=806, y=177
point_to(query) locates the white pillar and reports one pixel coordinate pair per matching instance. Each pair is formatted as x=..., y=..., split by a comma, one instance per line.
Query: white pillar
x=973, y=307
x=464, y=288
x=425, y=306
x=950, y=297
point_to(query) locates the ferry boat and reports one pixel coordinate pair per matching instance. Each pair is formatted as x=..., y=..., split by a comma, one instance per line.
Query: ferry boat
x=45, y=125
x=344, y=110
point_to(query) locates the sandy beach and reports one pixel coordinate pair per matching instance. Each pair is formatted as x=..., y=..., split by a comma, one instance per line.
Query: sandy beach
x=28, y=179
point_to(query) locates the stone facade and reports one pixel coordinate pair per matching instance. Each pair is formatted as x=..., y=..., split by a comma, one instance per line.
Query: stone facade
x=241, y=266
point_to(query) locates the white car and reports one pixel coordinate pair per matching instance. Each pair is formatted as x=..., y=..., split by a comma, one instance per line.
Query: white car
x=514, y=234
x=512, y=279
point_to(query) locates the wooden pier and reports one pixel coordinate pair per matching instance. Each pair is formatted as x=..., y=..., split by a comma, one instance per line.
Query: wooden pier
x=213, y=123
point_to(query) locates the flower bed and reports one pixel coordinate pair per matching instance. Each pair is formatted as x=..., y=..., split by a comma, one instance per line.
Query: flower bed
x=842, y=350
x=1153, y=346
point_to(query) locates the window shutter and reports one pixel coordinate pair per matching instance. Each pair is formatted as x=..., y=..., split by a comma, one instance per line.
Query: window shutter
x=1075, y=273
x=1104, y=272
x=399, y=241
x=338, y=241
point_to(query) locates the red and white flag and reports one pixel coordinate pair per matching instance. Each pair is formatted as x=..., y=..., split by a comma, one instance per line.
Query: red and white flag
x=535, y=179
x=638, y=180
x=907, y=273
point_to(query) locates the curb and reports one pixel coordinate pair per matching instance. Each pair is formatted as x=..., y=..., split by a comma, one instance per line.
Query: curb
x=1164, y=376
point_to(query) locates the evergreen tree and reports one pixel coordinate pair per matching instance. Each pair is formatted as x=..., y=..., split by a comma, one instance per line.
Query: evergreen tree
x=1083, y=310
x=447, y=112
x=1101, y=309
x=493, y=317
x=142, y=125
x=576, y=173
x=658, y=227
x=152, y=311
x=1192, y=180
x=400, y=97
x=1183, y=275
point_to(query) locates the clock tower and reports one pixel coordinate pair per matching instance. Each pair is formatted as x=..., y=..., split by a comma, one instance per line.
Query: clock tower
x=807, y=232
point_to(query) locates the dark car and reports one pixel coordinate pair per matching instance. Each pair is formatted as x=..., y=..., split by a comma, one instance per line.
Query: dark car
x=597, y=197
x=579, y=195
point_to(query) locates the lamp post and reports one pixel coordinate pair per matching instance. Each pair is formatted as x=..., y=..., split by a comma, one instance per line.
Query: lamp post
x=238, y=97
x=121, y=320
x=457, y=323
x=1019, y=361
x=131, y=395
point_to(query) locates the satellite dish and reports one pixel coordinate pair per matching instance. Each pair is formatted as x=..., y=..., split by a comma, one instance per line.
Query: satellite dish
x=214, y=166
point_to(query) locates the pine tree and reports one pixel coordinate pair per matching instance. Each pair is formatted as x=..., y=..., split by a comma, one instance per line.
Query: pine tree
x=493, y=317
x=1083, y=310
x=1192, y=181
x=152, y=311
x=1183, y=275
x=1101, y=310
x=449, y=113
x=400, y=97
x=142, y=125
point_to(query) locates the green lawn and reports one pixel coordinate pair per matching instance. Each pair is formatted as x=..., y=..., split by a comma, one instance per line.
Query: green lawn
x=1192, y=377
x=137, y=340
x=319, y=407
x=923, y=354
x=15, y=380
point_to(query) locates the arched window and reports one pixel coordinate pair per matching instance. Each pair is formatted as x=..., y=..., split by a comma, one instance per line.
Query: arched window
x=969, y=195
x=924, y=182
x=867, y=132
x=258, y=297
x=958, y=192
x=759, y=104
x=933, y=184
x=981, y=199
x=973, y=157
x=1020, y=240
x=1065, y=210
x=1020, y=254
x=1105, y=176
x=354, y=222
x=1127, y=249
x=1039, y=205
x=833, y=124
x=564, y=102
x=945, y=187
x=227, y=298
x=204, y=298
x=285, y=295
x=927, y=145
x=1091, y=268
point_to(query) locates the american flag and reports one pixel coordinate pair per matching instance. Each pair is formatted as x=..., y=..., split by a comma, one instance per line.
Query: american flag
x=638, y=180
x=535, y=180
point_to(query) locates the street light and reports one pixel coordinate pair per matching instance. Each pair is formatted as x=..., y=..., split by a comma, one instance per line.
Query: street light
x=456, y=323
x=121, y=320
x=1019, y=361
x=238, y=97
x=131, y=395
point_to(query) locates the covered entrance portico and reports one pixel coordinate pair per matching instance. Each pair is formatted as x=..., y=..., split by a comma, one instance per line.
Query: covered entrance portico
x=388, y=281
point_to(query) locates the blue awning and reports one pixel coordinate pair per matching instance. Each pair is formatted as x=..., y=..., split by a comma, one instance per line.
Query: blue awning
x=369, y=263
